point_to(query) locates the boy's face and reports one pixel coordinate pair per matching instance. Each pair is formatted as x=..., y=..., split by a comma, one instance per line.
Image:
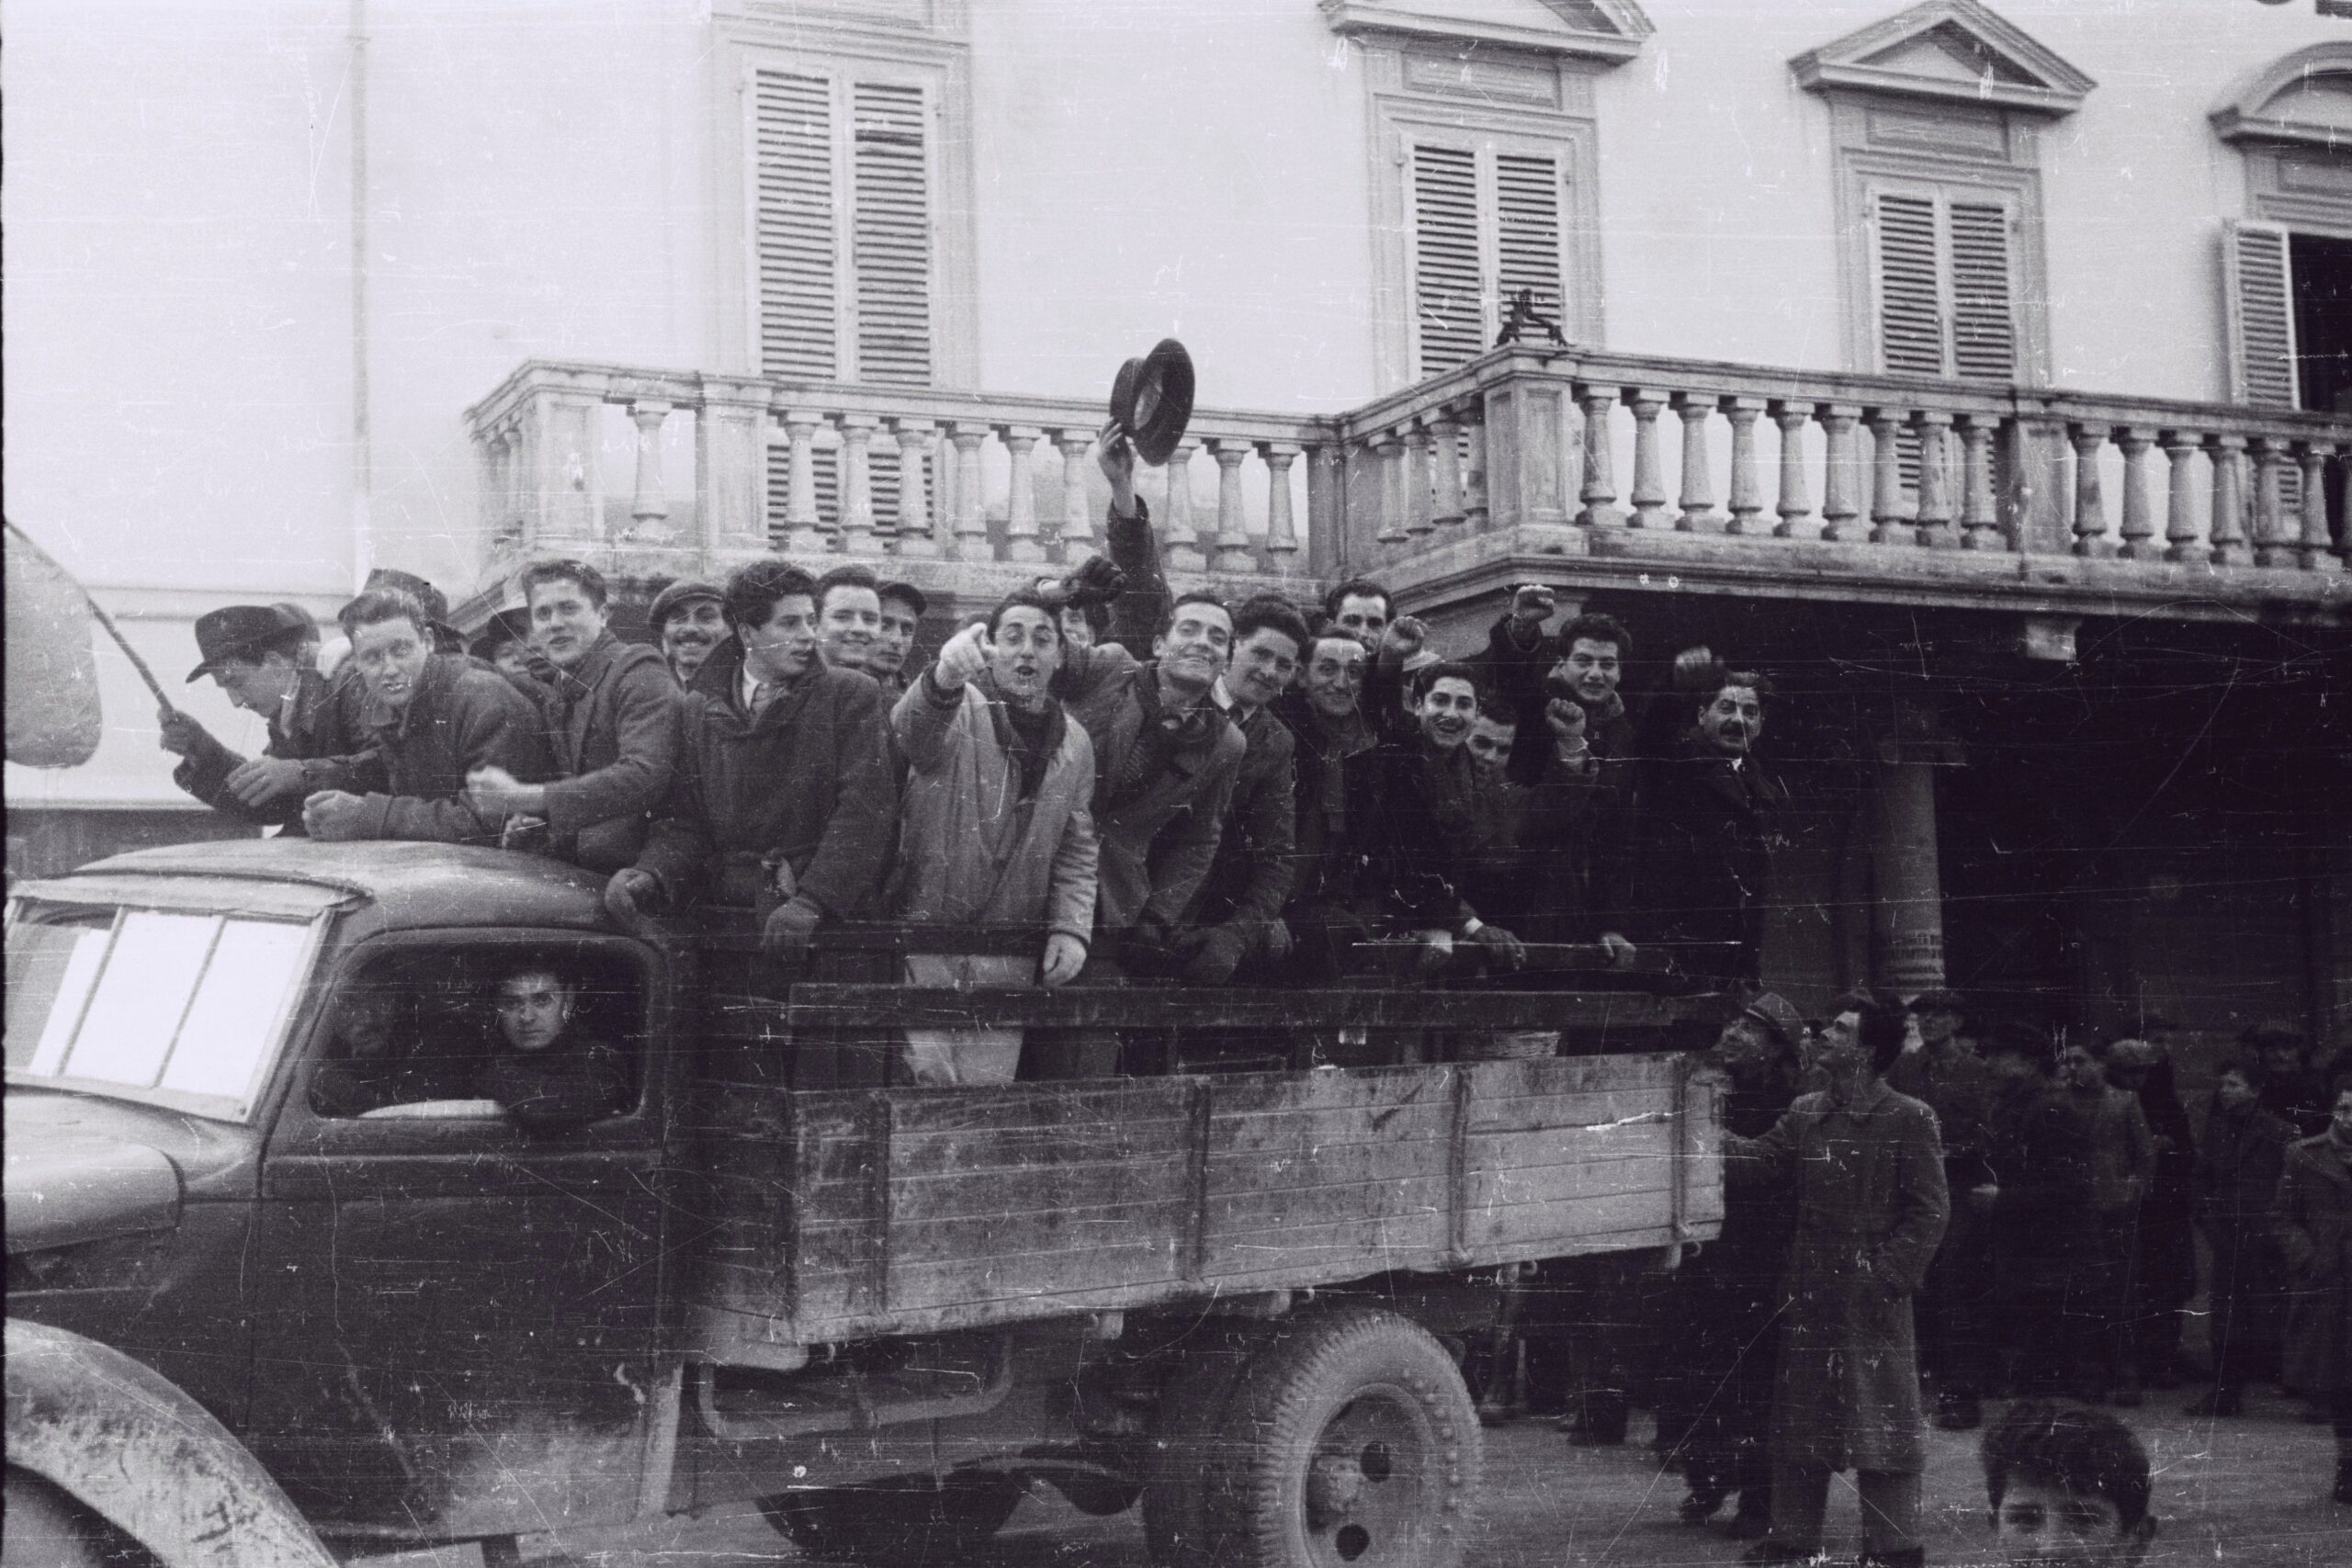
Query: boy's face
x=849, y=622
x=2041, y=1524
x=1489, y=743
x=896, y=640
x=1447, y=710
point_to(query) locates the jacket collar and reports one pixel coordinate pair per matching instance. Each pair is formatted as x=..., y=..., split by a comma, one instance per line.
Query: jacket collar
x=572, y=684
x=441, y=670
x=2322, y=1152
x=1869, y=1100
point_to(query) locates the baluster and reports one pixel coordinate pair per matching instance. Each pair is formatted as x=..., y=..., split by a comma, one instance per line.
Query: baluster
x=1327, y=550
x=1649, y=469
x=1076, y=536
x=2274, y=544
x=1021, y=540
x=972, y=524
x=857, y=484
x=2316, y=554
x=1746, y=486
x=1445, y=468
x=1600, y=490
x=2181, y=539
x=2227, y=536
x=1698, y=497
x=915, y=537
x=1180, y=540
x=1419, y=518
x=805, y=533
x=1282, y=536
x=1934, y=479
x=1473, y=464
x=1888, y=525
x=1794, y=506
x=2091, y=498
x=1980, y=524
x=1232, y=552
x=1840, y=468
x=1387, y=454
x=2138, y=499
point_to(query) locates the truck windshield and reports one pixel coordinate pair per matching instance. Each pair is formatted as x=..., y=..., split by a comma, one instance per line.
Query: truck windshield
x=176, y=1009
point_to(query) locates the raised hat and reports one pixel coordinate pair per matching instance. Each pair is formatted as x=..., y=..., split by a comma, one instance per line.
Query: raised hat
x=908, y=592
x=685, y=590
x=237, y=631
x=1152, y=400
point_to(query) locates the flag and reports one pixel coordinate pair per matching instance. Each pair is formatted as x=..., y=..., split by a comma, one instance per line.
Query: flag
x=52, y=679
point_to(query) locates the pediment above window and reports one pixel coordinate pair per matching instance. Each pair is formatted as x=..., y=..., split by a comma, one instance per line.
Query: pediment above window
x=1948, y=50
x=1606, y=32
x=2304, y=99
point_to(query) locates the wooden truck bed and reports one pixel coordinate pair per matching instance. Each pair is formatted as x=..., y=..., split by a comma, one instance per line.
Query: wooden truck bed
x=850, y=1214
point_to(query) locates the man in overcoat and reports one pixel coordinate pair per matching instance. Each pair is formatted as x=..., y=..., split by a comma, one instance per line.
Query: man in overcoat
x=2239, y=1161
x=2315, y=1235
x=1708, y=825
x=1871, y=1208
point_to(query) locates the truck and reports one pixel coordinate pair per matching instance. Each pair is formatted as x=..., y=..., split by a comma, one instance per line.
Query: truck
x=1236, y=1293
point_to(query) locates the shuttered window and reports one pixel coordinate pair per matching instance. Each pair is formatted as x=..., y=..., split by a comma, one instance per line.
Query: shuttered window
x=843, y=218
x=2258, y=305
x=1488, y=222
x=1944, y=282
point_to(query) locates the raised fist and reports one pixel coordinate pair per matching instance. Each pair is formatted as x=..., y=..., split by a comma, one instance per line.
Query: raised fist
x=1566, y=720
x=1533, y=604
x=1096, y=581
x=1404, y=637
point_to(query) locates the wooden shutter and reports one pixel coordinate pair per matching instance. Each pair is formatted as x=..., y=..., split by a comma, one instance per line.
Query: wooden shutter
x=1908, y=282
x=792, y=219
x=1527, y=234
x=2258, y=306
x=891, y=237
x=1449, y=325
x=1983, y=307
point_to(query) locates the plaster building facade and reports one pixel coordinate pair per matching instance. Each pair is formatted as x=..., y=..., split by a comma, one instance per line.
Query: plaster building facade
x=1978, y=369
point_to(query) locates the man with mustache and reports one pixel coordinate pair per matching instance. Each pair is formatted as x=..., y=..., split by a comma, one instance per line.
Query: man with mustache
x=687, y=621
x=1708, y=824
x=613, y=716
x=437, y=717
x=782, y=799
x=996, y=828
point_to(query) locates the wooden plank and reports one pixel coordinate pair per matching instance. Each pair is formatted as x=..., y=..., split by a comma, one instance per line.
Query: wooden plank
x=1196, y=1179
x=1100, y=1102
x=1570, y=1075
x=1568, y=1183
x=1366, y=1245
x=1259, y=1094
x=1325, y=1164
x=1302, y=1131
x=1079, y=1184
x=1499, y=1224
x=960, y=1282
x=1558, y=1145
x=1152, y=1223
x=1016, y=1148
x=1522, y=1113
x=1339, y=1203
x=841, y=1004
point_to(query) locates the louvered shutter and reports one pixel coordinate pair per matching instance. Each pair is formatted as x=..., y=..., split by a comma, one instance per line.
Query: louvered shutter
x=1527, y=234
x=1449, y=324
x=892, y=238
x=1909, y=282
x=1984, y=318
x=2258, y=304
x=795, y=235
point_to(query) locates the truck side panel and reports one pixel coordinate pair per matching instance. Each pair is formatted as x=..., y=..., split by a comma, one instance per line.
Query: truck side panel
x=912, y=1210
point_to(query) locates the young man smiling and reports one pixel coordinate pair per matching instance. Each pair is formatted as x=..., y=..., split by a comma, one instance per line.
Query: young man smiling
x=687, y=620
x=849, y=616
x=613, y=713
x=437, y=718
x=1710, y=819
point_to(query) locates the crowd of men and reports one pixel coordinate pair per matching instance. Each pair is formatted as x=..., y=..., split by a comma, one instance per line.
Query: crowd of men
x=1166, y=784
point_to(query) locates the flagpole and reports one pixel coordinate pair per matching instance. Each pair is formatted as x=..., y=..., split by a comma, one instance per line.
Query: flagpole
x=104, y=619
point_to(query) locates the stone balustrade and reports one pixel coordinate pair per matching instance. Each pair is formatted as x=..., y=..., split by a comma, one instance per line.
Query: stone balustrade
x=1687, y=474
x=960, y=481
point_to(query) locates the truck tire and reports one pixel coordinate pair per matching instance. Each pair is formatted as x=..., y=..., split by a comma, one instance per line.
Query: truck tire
x=1351, y=1441
x=45, y=1528
x=1182, y=1451
x=892, y=1522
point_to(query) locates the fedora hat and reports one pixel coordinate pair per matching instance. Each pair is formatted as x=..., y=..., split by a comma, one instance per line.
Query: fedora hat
x=237, y=631
x=1152, y=400
x=507, y=625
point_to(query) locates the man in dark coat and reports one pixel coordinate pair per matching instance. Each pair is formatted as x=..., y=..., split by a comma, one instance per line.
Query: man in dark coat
x=548, y=1077
x=783, y=797
x=1954, y=1308
x=2032, y=1199
x=1325, y=721
x=1708, y=829
x=613, y=713
x=437, y=717
x=2166, y=1264
x=2315, y=1237
x=257, y=655
x=2238, y=1166
x=1871, y=1208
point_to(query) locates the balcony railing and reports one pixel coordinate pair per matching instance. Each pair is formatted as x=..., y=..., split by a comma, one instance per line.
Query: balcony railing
x=1928, y=490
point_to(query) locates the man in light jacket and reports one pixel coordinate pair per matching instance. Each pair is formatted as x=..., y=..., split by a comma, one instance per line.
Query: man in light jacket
x=994, y=825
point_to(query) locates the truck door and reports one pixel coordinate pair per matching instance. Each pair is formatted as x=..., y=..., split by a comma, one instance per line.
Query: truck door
x=459, y=1313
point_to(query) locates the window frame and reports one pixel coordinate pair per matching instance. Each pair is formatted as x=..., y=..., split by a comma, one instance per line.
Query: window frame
x=935, y=59
x=1406, y=106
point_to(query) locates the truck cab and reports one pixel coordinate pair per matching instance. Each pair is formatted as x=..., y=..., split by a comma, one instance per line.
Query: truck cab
x=255, y=1160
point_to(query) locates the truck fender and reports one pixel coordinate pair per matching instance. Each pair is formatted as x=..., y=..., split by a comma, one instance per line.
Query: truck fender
x=130, y=1447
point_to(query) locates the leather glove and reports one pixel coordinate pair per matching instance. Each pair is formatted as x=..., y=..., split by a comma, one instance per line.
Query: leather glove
x=631, y=897
x=788, y=932
x=1216, y=953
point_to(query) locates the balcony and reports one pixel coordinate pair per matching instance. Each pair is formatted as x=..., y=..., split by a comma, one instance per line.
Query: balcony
x=1894, y=489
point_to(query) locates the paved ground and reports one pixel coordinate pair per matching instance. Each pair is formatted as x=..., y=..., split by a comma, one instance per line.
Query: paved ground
x=2249, y=1492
